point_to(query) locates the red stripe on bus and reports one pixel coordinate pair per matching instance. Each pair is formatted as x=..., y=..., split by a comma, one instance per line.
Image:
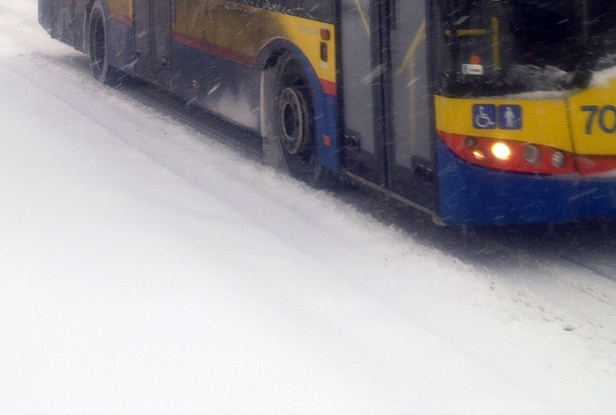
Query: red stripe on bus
x=235, y=56
x=217, y=50
x=329, y=87
x=591, y=165
x=120, y=18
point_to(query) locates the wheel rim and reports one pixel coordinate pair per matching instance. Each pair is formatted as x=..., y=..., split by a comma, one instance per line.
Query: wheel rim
x=293, y=117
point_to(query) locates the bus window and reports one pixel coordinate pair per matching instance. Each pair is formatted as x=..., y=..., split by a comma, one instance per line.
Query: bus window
x=495, y=48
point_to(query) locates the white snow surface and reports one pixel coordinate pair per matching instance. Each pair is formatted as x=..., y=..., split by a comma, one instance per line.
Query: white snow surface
x=146, y=269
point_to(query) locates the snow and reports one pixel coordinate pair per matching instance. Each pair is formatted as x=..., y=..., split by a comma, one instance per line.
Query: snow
x=146, y=269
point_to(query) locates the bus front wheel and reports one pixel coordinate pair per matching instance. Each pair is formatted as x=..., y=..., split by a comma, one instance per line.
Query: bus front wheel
x=295, y=122
x=99, y=63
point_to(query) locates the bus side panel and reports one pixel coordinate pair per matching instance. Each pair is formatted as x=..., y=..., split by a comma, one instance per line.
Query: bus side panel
x=232, y=90
x=80, y=26
x=120, y=38
x=119, y=33
x=216, y=83
x=62, y=20
x=220, y=48
x=328, y=155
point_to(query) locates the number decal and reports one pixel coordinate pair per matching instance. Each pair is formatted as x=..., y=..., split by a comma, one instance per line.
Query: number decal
x=611, y=120
x=592, y=110
x=605, y=118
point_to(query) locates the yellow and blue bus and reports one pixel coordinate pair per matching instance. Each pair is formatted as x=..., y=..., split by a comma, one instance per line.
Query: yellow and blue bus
x=478, y=112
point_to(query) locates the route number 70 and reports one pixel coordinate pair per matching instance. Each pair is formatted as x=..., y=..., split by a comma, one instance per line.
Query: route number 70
x=607, y=123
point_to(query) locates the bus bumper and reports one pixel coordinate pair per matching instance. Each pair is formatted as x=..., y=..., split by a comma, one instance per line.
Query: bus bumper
x=476, y=196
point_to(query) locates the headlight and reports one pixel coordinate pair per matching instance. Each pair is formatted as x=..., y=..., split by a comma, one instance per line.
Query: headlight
x=501, y=151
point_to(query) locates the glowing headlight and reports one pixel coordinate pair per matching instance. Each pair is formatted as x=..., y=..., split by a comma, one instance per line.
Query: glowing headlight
x=501, y=151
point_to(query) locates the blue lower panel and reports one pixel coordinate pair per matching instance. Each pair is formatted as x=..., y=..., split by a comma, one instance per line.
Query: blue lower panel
x=327, y=156
x=470, y=195
x=220, y=85
x=120, y=38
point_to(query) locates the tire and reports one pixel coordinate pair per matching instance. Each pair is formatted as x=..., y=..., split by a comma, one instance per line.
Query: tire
x=97, y=37
x=295, y=122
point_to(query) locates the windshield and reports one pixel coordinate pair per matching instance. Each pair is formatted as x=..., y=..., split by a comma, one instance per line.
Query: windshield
x=492, y=47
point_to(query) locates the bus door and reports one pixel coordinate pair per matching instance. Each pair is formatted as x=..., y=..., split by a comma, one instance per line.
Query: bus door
x=408, y=103
x=361, y=99
x=152, y=25
x=385, y=97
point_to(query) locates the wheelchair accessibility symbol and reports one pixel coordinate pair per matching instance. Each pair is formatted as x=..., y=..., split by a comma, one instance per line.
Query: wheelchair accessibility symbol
x=490, y=117
x=484, y=117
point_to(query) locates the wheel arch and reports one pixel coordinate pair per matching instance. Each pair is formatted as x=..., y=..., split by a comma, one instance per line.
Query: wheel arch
x=119, y=36
x=266, y=63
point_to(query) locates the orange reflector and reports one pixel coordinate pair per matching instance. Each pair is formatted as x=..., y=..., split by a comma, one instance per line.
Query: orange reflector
x=325, y=34
x=324, y=53
x=479, y=155
x=327, y=142
x=474, y=59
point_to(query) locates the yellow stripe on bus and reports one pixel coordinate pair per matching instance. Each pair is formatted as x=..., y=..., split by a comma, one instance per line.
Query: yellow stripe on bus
x=544, y=122
x=121, y=7
x=305, y=34
x=246, y=30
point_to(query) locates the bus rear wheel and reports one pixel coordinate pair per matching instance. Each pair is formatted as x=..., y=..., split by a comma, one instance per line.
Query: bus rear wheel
x=99, y=63
x=295, y=122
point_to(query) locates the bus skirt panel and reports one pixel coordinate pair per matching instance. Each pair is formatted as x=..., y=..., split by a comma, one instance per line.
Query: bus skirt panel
x=229, y=84
x=476, y=196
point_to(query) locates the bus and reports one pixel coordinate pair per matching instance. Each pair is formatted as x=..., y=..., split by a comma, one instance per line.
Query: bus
x=477, y=112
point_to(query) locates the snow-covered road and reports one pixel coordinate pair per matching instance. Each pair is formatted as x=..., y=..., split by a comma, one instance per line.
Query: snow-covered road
x=146, y=269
